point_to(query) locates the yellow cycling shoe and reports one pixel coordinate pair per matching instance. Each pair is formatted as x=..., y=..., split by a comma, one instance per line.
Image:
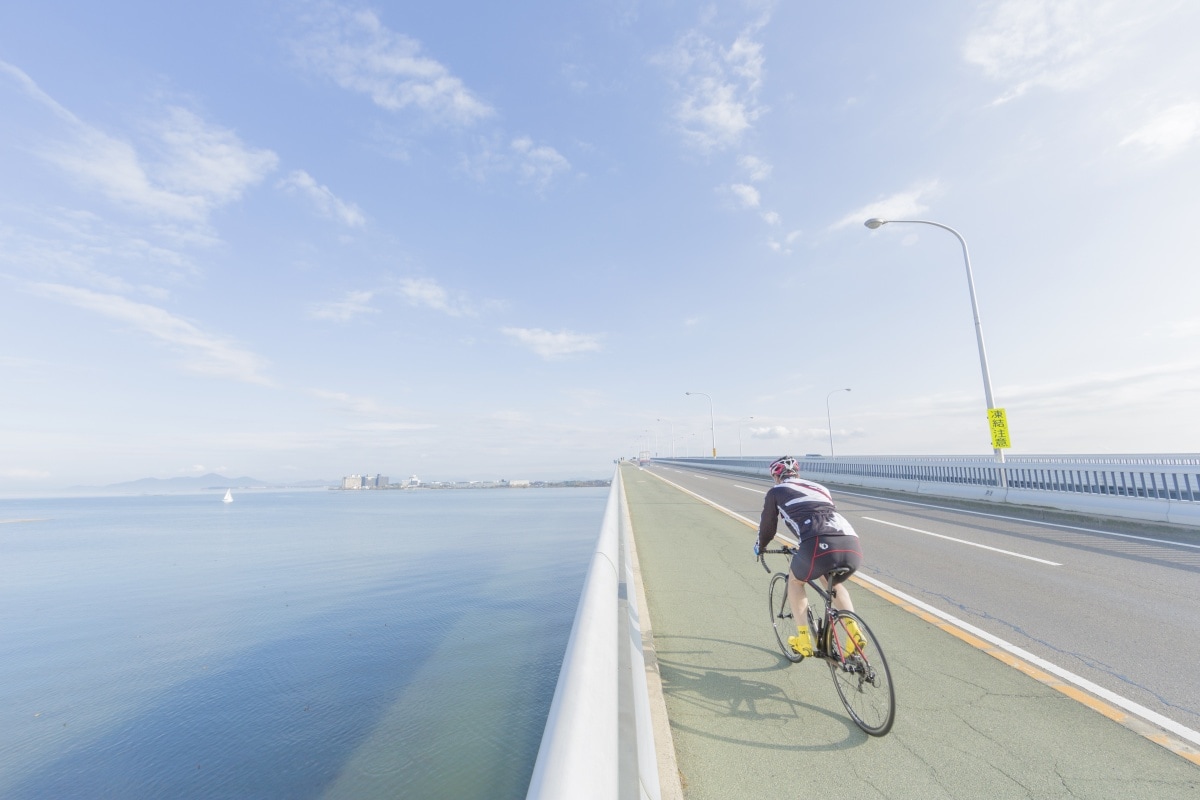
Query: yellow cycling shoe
x=857, y=642
x=801, y=643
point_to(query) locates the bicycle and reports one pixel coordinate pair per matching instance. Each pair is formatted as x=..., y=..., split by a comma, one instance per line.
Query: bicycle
x=862, y=678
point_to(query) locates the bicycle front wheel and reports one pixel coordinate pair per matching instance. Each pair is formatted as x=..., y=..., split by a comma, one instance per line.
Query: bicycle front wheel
x=861, y=676
x=781, y=617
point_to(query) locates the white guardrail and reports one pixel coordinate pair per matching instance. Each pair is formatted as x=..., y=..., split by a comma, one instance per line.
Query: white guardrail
x=1150, y=488
x=599, y=741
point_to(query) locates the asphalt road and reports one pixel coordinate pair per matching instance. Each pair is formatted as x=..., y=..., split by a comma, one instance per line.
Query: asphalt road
x=1116, y=605
x=1119, y=612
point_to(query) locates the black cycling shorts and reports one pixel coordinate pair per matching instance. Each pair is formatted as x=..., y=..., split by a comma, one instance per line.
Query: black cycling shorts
x=821, y=554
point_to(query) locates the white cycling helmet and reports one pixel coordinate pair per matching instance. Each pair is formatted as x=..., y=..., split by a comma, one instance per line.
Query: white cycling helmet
x=784, y=466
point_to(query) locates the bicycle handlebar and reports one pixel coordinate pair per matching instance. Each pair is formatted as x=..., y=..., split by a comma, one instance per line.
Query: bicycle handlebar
x=787, y=551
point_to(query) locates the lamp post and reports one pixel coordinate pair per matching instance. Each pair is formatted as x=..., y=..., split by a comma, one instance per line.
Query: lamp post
x=672, y=424
x=711, y=420
x=874, y=223
x=829, y=420
x=740, y=421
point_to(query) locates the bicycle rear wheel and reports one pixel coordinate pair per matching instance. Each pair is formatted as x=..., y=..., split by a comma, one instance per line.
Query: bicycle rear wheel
x=781, y=617
x=862, y=677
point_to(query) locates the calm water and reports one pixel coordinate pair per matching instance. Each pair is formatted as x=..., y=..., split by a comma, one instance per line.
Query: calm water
x=288, y=645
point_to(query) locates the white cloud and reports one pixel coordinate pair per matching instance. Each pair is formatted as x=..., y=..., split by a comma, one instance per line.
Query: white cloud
x=1131, y=388
x=551, y=345
x=354, y=305
x=189, y=166
x=535, y=164
x=324, y=199
x=204, y=353
x=33, y=90
x=746, y=194
x=360, y=54
x=538, y=164
x=745, y=59
x=427, y=292
x=905, y=204
x=1059, y=44
x=508, y=417
x=1169, y=132
x=417, y=291
x=784, y=245
x=197, y=159
x=755, y=167
x=114, y=168
x=348, y=402
x=1179, y=329
x=81, y=248
x=24, y=474
x=391, y=427
x=718, y=87
x=16, y=362
x=343, y=402
x=773, y=432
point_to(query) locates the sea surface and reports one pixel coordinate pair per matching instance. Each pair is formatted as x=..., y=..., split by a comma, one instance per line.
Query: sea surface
x=306, y=644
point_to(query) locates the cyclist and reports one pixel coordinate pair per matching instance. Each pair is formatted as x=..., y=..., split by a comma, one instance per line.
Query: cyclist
x=827, y=541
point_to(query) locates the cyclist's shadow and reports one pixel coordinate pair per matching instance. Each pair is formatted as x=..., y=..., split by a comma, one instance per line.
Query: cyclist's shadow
x=722, y=695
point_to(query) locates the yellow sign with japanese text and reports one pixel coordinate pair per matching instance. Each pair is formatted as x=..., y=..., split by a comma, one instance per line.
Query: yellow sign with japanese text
x=998, y=422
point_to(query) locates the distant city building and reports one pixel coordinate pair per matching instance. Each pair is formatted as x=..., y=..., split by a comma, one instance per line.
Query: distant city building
x=379, y=481
x=365, y=482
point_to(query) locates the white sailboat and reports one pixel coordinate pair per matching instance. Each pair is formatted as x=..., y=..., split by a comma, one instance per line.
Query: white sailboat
x=228, y=496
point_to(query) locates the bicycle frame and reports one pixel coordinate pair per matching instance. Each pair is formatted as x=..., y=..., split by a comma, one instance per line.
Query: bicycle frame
x=824, y=626
x=858, y=667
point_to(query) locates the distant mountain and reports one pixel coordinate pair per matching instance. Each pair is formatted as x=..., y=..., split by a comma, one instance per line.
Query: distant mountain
x=209, y=481
x=166, y=485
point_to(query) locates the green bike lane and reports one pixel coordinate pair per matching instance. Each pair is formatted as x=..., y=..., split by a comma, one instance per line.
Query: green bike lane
x=747, y=723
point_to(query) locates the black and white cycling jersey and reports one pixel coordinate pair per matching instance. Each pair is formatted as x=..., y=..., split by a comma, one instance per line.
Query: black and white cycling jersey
x=807, y=509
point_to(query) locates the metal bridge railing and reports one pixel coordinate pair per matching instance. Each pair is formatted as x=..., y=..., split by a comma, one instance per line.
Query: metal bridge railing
x=586, y=751
x=1155, y=488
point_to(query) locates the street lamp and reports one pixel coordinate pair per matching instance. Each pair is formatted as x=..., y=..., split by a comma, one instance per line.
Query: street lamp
x=874, y=223
x=740, y=421
x=830, y=421
x=672, y=424
x=711, y=420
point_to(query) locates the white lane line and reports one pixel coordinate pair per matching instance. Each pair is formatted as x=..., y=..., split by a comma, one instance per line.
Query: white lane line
x=1027, y=521
x=1070, y=677
x=748, y=489
x=703, y=478
x=964, y=541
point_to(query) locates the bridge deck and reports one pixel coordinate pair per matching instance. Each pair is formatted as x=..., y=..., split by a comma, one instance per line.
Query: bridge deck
x=746, y=723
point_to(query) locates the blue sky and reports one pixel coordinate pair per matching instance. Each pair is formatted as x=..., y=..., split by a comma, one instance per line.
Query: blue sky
x=469, y=240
